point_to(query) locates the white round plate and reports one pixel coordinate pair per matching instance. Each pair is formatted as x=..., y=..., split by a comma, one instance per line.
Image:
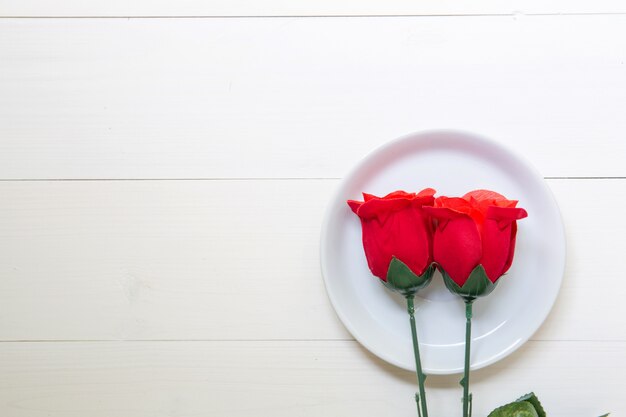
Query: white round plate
x=452, y=163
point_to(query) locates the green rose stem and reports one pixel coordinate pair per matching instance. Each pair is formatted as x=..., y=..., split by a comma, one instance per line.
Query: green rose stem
x=401, y=279
x=420, y=399
x=467, y=397
x=476, y=285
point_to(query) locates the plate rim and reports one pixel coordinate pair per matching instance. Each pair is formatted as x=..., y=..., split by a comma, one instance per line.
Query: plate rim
x=338, y=191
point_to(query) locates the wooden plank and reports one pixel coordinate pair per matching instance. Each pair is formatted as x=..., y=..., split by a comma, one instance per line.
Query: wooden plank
x=300, y=7
x=303, y=98
x=289, y=379
x=234, y=260
x=163, y=260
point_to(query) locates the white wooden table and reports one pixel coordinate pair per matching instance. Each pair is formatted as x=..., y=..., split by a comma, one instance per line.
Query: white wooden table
x=164, y=167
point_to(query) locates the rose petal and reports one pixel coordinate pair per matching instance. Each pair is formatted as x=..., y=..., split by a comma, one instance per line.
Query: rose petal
x=506, y=203
x=402, y=234
x=399, y=194
x=427, y=192
x=496, y=248
x=509, y=259
x=481, y=200
x=462, y=206
x=355, y=205
x=413, y=241
x=505, y=215
x=423, y=201
x=481, y=195
x=456, y=246
x=443, y=212
x=382, y=208
x=498, y=237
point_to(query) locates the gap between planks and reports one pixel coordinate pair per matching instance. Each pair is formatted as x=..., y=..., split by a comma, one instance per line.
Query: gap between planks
x=324, y=16
x=244, y=179
x=265, y=341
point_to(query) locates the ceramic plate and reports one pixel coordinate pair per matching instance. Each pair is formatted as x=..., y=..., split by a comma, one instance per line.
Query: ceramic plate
x=452, y=163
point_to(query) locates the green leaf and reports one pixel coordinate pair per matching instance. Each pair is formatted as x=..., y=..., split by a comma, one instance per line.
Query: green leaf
x=400, y=278
x=515, y=409
x=532, y=398
x=477, y=285
x=521, y=408
x=525, y=406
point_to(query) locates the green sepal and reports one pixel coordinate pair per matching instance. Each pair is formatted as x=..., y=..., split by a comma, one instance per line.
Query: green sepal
x=477, y=285
x=525, y=406
x=400, y=278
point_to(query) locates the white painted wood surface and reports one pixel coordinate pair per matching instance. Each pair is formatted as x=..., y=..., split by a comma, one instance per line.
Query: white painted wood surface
x=199, y=8
x=146, y=268
x=283, y=379
x=180, y=260
x=303, y=97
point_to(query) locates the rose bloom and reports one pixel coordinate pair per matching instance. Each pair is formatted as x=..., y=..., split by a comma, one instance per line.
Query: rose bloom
x=476, y=229
x=396, y=225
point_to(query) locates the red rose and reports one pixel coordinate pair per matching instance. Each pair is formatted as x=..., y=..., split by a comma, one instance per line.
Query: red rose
x=396, y=226
x=476, y=229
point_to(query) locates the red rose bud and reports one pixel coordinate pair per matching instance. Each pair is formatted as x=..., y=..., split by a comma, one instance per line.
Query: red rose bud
x=475, y=237
x=396, y=226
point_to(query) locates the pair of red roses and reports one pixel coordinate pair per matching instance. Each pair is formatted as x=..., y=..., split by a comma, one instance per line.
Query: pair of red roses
x=458, y=234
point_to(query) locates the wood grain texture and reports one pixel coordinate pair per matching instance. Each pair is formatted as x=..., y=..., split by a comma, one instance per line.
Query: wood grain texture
x=174, y=297
x=303, y=98
x=159, y=379
x=300, y=7
x=234, y=260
